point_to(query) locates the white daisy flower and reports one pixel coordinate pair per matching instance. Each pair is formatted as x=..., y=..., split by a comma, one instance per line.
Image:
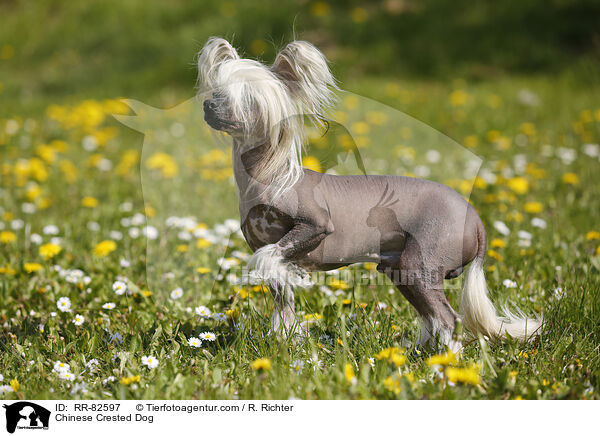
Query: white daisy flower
x=109, y=306
x=592, y=150
x=150, y=232
x=150, y=361
x=184, y=235
x=119, y=287
x=138, y=219
x=208, y=336
x=220, y=316
x=125, y=263
x=133, y=232
x=93, y=226
x=232, y=225
x=194, y=342
x=64, y=304
x=61, y=366
x=17, y=224
x=176, y=293
x=78, y=320
x=35, y=239
x=126, y=206
x=92, y=364
x=509, y=283
x=109, y=379
x=538, y=222
x=66, y=375
x=116, y=235
x=524, y=235
x=297, y=366
x=5, y=389
x=502, y=228
x=203, y=311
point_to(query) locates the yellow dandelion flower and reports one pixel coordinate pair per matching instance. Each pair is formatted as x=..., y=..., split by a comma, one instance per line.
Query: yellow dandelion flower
x=533, y=207
x=7, y=270
x=377, y=118
x=519, y=185
x=313, y=316
x=15, y=384
x=7, y=237
x=458, y=98
x=570, y=178
x=497, y=243
x=203, y=243
x=471, y=141
x=393, y=355
x=129, y=380
x=349, y=373
x=31, y=267
x=442, y=359
x=464, y=375
x=312, y=163
x=232, y=313
x=338, y=284
x=262, y=364
x=392, y=384
x=228, y=9
x=359, y=15
x=182, y=248
x=202, y=270
x=494, y=254
x=90, y=202
x=257, y=47
x=319, y=9
x=48, y=251
x=598, y=250
x=592, y=235
x=104, y=248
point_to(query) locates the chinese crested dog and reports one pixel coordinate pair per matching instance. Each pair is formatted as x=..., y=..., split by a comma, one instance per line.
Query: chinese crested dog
x=297, y=220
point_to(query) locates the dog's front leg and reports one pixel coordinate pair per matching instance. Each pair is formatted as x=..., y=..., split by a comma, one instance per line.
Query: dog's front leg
x=274, y=264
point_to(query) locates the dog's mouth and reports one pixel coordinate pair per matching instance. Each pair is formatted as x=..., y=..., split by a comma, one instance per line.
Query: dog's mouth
x=218, y=123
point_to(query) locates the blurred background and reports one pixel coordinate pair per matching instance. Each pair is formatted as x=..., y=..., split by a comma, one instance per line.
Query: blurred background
x=57, y=51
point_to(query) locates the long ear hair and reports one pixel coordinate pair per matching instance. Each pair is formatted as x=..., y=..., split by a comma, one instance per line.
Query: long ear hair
x=215, y=51
x=305, y=71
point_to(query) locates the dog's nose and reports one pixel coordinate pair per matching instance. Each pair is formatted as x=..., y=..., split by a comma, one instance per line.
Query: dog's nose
x=210, y=105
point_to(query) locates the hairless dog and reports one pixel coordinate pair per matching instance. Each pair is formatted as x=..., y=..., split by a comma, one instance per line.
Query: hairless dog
x=296, y=220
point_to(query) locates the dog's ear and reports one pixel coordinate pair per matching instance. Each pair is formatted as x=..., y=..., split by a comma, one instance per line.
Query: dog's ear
x=305, y=71
x=215, y=51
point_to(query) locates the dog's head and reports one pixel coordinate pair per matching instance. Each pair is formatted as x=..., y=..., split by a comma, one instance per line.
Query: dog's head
x=246, y=97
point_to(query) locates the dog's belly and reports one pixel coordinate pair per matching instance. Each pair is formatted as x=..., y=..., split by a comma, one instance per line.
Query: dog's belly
x=345, y=247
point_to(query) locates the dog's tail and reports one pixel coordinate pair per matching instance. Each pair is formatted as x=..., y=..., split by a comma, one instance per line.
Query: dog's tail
x=478, y=312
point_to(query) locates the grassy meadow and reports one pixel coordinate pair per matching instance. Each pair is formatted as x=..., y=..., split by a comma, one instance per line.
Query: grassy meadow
x=121, y=256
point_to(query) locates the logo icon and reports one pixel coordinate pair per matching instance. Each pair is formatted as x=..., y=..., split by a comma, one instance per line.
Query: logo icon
x=26, y=415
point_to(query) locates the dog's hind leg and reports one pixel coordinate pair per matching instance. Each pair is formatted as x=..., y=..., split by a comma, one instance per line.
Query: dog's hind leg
x=422, y=286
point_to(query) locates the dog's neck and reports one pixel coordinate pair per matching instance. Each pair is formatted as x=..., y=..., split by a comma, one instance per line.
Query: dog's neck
x=247, y=160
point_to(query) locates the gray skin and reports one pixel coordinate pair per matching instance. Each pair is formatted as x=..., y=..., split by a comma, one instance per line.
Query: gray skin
x=418, y=232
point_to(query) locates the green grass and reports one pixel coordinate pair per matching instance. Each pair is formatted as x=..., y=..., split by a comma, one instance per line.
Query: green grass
x=43, y=162
x=562, y=363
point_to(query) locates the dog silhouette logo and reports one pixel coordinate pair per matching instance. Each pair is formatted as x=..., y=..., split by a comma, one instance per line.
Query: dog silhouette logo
x=26, y=415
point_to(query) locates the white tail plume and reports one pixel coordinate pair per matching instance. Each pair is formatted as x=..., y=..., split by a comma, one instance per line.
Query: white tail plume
x=479, y=314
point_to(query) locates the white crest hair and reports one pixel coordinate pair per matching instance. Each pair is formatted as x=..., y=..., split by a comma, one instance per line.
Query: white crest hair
x=271, y=103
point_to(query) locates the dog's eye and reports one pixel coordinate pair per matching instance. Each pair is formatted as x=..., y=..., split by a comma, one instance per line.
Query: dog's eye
x=218, y=95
